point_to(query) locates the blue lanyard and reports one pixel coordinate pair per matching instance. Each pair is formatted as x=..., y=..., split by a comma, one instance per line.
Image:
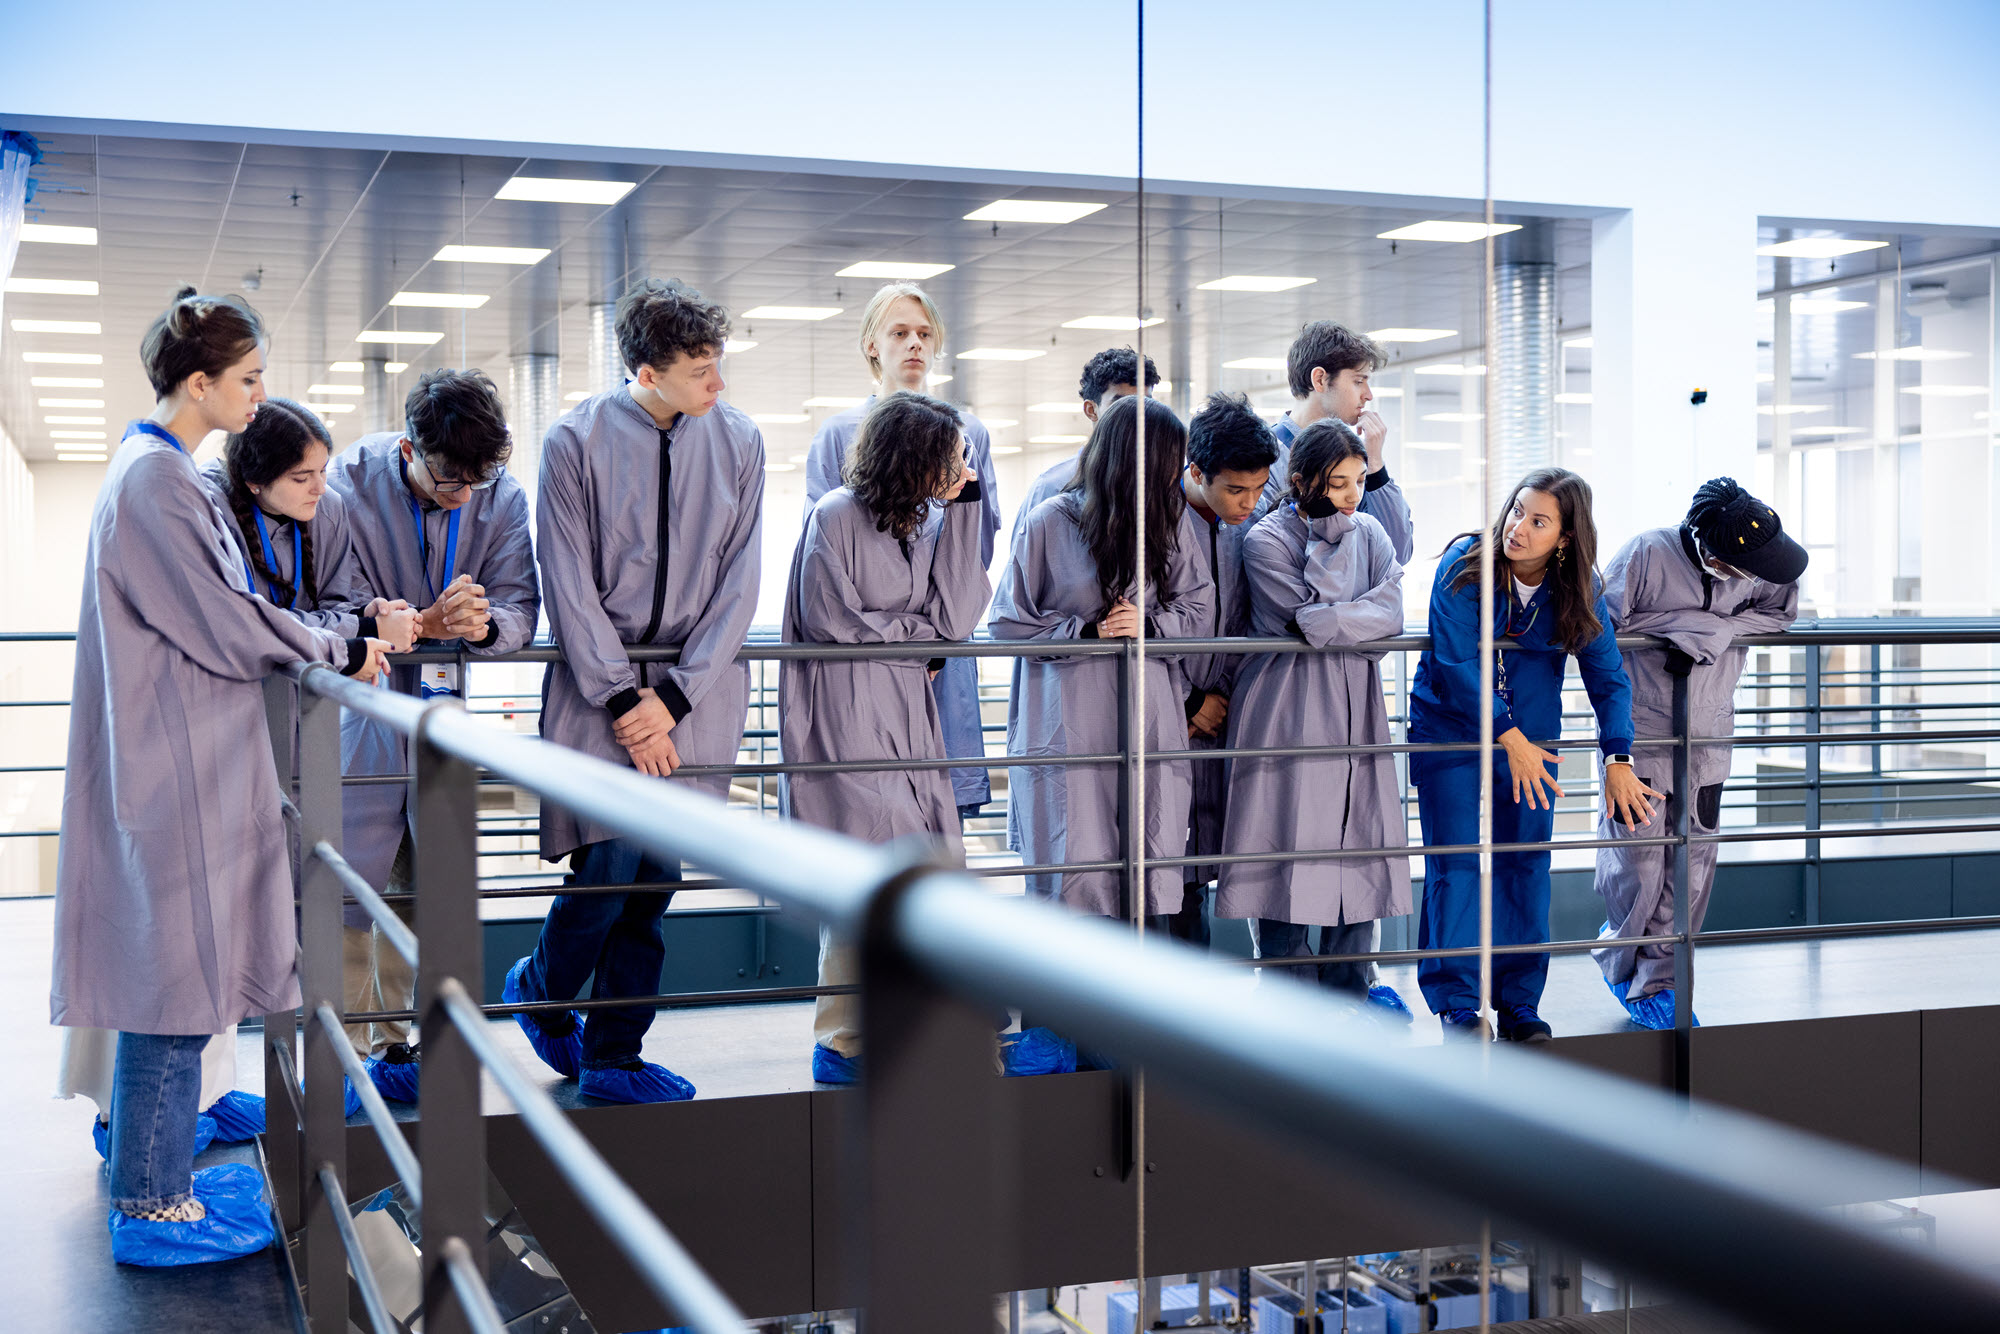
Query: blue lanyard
x=154, y=428
x=271, y=559
x=423, y=547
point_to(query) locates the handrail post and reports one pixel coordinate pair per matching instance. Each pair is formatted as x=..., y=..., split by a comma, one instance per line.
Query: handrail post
x=1813, y=653
x=929, y=1092
x=1680, y=805
x=283, y=1130
x=444, y=795
x=319, y=984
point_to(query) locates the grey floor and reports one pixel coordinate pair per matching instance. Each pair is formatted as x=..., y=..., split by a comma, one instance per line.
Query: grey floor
x=54, y=1252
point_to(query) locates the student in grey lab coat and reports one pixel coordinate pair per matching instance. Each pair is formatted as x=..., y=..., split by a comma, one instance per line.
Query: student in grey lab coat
x=1328, y=368
x=1230, y=452
x=436, y=522
x=1321, y=570
x=1107, y=377
x=1071, y=577
x=890, y=557
x=173, y=908
x=650, y=515
x=1727, y=569
x=902, y=335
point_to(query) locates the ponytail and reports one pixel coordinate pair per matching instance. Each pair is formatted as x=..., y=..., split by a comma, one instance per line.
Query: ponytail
x=203, y=335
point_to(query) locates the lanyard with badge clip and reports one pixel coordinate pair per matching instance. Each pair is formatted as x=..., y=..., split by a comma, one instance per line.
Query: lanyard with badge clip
x=438, y=678
x=271, y=560
x=1500, y=686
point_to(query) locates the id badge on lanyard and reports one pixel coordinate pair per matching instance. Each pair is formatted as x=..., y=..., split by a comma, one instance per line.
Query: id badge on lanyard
x=438, y=678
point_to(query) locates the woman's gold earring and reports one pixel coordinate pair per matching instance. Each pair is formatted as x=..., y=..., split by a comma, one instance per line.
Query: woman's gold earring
x=1562, y=554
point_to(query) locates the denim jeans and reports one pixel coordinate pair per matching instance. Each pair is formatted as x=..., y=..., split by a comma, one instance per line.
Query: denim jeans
x=1288, y=940
x=616, y=937
x=155, y=1092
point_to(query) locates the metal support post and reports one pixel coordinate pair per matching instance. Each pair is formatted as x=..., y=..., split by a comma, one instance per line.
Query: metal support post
x=282, y=1129
x=930, y=1124
x=1813, y=657
x=444, y=793
x=1680, y=807
x=319, y=982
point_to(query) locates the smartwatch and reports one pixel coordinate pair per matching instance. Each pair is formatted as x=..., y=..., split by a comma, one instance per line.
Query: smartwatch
x=1610, y=760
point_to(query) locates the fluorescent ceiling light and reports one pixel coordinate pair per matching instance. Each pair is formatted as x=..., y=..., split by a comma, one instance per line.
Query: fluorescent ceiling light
x=1398, y=334
x=1253, y=282
x=1390, y=392
x=415, y=336
x=576, y=395
x=1572, y=398
x=1915, y=354
x=1436, y=229
x=781, y=467
x=1788, y=409
x=732, y=345
x=998, y=423
x=1438, y=446
x=1947, y=390
x=999, y=354
x=336, y=389
x=1819, y=247
x=49, y=233
x=563, y=190
x=65, y=382
x=894, y=268
x=346, y=368
x=1454, y=416
x=438, y=300
x=1584, y=342
x=489, y=254
x=1006, y=449
x=76, y=435
x=791, y=313
x=1451, y=368
x=833, y=401
x=66, y=358
x=69, y=402
x=54, y=286
x=780, y=418
x=82, y=458
x=1074, y=406
x=935, y=378
x=58, y=326
x=1033, y=210
x=54, y=420
x=1057, y=439
x=395, y=367
x=1820, y=305
x=1255, y=364
x=1765, y=377
x=1829, y=430
x=324, y=408
x=1119, y=323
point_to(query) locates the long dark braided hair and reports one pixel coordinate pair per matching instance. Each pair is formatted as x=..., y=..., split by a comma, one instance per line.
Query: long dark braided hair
x=274, y=443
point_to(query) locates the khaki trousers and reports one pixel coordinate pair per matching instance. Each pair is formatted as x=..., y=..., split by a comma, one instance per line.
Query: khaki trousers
x=837, y=1019
x=373, y=974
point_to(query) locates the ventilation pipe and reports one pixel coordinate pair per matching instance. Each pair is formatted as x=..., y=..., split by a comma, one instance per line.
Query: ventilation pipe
x=1524, y=369
x=533, y=404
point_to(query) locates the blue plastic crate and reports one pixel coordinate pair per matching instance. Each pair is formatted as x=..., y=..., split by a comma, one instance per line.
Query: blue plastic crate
x=1365, y=1313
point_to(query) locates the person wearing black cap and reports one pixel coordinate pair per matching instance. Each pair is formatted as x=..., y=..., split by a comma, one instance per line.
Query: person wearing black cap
x=1728, y=569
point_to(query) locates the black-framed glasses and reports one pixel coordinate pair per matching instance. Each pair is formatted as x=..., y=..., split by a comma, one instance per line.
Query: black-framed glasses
x=451, y=486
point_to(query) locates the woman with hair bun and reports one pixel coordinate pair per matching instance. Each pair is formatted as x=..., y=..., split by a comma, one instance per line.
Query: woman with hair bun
x=173, y=910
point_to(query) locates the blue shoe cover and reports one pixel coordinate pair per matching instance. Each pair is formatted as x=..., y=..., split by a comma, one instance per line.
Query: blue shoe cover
x=204, y=1135
x=830, y=1067
x=638, y=1081
x=350, y=1101
x=238, y=1223
x=396, y=1080
x=238, y=1116
x=1618, y=989
x=1038, y=1051
x=564, y=1054
x=1655, y=1011
x=1386, y=999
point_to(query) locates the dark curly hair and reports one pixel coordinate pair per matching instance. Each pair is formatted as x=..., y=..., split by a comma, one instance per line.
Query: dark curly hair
x=1114, y=365
x=198, y=335
x=906, y=452
x=274, y=443
x=1104, y=477
x=660, y=319
x=1317, y=451
x=454, y=419
x=1227, y=436
x=1573, y=582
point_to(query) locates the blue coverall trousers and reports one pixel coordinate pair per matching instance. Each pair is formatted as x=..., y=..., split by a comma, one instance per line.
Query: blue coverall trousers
x=613, y=939
x=1447, y=786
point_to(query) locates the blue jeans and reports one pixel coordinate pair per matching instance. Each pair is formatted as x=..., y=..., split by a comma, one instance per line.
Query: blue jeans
x=155, y=1089
x=616, y=937
x=1288, y=940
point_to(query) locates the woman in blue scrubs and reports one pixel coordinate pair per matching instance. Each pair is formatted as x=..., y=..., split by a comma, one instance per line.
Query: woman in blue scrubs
x=1549, y=599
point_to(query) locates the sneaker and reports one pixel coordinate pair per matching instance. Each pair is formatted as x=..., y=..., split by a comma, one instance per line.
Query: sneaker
x=1037, y=1051
x=1465, y=1025
x=830, y=1067
x=394, y=1071
x=635, y=1081
x=204, y=1135
x=238, y=1116
x=1656, y=1011
x=237, y=1223
x=1388, y=1005
x=561, y=1051
x=1523, y=1024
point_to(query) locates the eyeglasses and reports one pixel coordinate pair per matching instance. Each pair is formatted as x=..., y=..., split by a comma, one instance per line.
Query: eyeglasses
x=451, y=486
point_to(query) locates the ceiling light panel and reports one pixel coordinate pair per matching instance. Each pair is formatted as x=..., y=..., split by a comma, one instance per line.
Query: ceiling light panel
x=1255, y=364
x=1789, y=409
x=65, y=382
x=999, y=354
x=71, y=420
x=65, y=358
x=346, y=368
x=731, y=345
x=1573, y=398
x=489, y=254
x=894, y=268
x=934, y=378
x=76, y=435
x=1584, y=342
x=69, y=402
x=325, y=408
x=82, y=458
x=57, y=326
x=53, y=286
x=1914, y=354
x=1033, y=210
x=439, y=300
x=1819, y=247
x=1399, y=334
x=336, y=389
x=1437, y=229
x=1946, y=390
x=1822, y=305
x=50, y=234
x=790, y=313
x=561, y=190
x=413, y=336
x=1254, y=282
x=1113, y=323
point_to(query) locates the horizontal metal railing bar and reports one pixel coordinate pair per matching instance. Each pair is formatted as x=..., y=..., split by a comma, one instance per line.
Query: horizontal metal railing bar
x=475, y=1303
x=660, y=1261
x=1481, y=1127
x=666, y=1000
x=34, y=703
x=33, y=768
x=358, y=1266
x=392, y=927
x=401, y=1157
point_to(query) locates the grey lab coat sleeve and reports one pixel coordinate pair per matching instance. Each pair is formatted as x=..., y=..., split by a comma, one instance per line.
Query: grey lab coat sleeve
x=1023, y=604
x=830, y=603
x=171, y=583
x=823, y=463
x=508, y=574
x=1633, y=591
x=1772, y=608
x=342, y=594
x=590, y=644
x=1376, y=614
x=980, y=447
x=1186, y=607
x=1387, y=505
x=724, y=624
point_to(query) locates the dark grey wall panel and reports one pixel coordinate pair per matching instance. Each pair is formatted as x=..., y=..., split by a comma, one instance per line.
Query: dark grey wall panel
x=1754, y=894
x=1885, y=889
x=1641, y=1056
x=1961, y=1086
x=1975, y=886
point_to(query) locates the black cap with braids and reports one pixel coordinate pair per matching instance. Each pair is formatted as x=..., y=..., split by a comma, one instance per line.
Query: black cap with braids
x=274, y=443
